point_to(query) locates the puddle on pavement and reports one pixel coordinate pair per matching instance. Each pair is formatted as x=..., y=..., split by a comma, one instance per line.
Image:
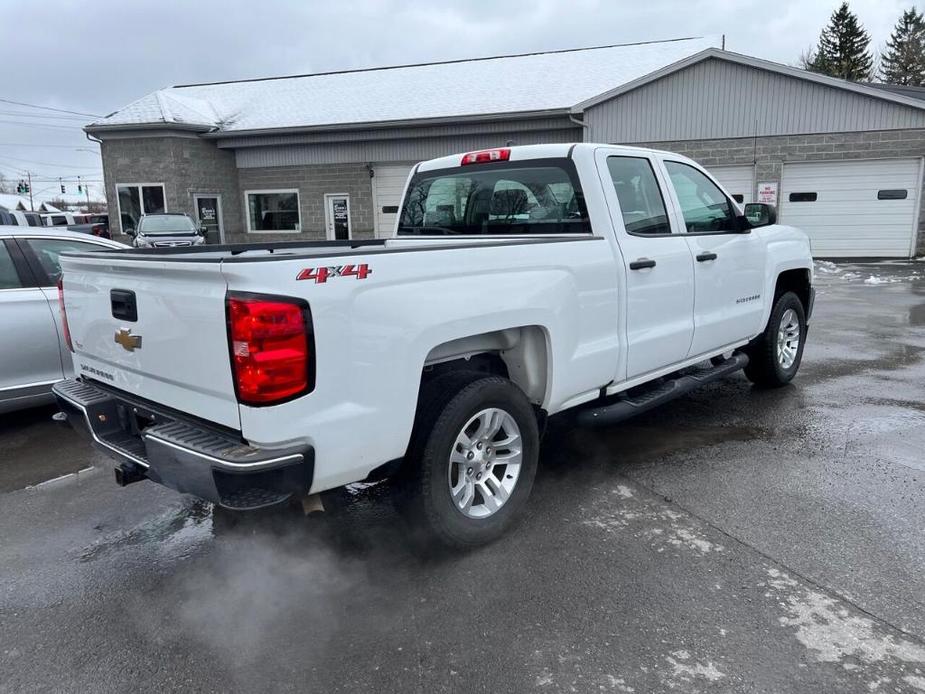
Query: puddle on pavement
x=633, y=442
x=917, y=315
x=188, y=523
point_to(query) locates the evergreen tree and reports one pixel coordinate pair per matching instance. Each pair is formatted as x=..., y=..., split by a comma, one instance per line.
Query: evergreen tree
x=904, y=59
x=843, y=48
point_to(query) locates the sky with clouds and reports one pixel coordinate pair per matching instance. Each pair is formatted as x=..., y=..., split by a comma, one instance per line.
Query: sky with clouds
x=95, y=56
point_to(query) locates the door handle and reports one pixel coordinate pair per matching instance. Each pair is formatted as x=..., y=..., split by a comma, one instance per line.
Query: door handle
x=703, y=257
x=642, y=264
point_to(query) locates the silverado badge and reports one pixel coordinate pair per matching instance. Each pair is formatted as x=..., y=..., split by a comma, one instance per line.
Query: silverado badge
x=128, y=341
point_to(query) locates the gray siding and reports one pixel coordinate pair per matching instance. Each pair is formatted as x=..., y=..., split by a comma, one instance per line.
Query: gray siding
x=717, y=99
x=506, y=128
x=396, y=150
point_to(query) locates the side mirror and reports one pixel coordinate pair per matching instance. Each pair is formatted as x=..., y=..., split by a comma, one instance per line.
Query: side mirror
x=130, y=231
x=760, y=214
x=203, y=230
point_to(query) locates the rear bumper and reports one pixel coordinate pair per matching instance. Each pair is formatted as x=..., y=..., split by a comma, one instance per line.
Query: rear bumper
x=148, y=442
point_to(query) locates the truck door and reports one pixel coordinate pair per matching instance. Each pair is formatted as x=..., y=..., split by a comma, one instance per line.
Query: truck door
x=729, y=265
x=658, y=263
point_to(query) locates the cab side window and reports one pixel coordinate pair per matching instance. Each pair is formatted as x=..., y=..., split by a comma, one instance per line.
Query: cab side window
x=9, y=278
x=48, y=250
x=641, y=202
x=704, y=206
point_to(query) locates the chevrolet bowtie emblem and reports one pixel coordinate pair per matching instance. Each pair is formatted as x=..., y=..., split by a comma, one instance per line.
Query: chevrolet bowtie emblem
x=128, y=341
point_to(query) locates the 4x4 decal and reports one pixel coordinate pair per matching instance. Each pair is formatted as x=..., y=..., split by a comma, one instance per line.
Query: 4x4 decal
x=323, y=274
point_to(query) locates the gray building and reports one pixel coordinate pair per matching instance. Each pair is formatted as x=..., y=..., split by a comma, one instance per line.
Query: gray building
x=327, y=155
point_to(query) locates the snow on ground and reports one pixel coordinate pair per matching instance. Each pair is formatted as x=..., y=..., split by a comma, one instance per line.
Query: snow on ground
x=870, y=274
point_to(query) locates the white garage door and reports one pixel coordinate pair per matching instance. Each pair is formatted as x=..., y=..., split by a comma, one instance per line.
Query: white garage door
x=853, y=208
x=739, y=181
x=388, y=185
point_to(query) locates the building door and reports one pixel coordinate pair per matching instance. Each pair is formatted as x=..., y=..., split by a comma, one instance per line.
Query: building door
x=209, y=213
x=388, y=186
x=854, y=208
x=337, y=216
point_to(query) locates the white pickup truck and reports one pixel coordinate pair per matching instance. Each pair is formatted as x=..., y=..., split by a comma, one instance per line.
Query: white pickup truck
x=520, y=283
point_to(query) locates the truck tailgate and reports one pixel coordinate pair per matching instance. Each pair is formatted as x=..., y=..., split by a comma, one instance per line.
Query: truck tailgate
x=172, y=349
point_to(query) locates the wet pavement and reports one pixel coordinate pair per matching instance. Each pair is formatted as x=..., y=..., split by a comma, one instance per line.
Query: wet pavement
x=736, y=540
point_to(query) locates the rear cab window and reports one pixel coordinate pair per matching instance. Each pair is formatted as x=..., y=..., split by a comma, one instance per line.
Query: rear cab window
x=534, y=197
x=641, y=203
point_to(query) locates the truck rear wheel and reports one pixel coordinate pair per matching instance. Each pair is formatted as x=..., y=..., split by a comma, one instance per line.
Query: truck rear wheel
x=472, y=459
x=775, y=355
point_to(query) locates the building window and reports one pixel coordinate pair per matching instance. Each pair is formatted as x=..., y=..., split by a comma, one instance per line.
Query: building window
x=273, y=210
x=892, y=194
x=802, y=197
x=136, y=199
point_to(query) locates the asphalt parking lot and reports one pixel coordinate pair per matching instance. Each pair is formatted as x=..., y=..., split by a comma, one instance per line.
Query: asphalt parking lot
x=737, y=540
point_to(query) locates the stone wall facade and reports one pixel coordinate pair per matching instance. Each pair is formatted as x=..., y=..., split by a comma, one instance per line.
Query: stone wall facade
x=188, y=165
x=313, y=183
x=185, y=164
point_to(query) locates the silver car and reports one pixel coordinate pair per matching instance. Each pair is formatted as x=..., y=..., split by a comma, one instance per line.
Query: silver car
x=33, y=353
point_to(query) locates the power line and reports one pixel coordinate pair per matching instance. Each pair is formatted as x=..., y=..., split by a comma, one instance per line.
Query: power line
x=49, y=108
x=34, y=144
x=42, y=125
x=6, y=157
x=26, y=114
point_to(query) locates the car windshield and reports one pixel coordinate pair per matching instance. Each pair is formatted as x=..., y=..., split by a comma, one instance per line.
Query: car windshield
x=166, y=224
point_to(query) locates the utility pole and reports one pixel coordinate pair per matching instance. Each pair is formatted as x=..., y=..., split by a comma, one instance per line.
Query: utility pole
x=31, y=204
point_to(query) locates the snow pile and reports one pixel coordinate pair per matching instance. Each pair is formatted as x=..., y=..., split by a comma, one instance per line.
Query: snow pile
x=827, y=267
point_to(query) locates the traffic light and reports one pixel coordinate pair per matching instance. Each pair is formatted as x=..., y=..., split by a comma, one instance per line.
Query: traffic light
x=62, y=189
x=79, y=188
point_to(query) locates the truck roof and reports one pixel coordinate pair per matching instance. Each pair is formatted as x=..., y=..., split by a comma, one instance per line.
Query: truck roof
x=524, y=152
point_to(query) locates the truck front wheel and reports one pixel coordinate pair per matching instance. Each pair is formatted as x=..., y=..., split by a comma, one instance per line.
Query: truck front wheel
x=775, y=355
x=472, y=459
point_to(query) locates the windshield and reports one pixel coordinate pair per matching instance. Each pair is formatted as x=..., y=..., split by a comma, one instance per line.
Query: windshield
x=526, y=197
x=166, y=224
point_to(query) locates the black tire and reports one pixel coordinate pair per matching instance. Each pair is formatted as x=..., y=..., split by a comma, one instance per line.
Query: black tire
x=764, y=367
x=446, y=404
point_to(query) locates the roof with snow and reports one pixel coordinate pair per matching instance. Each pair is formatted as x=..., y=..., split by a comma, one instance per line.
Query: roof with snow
x=506, y=85
x=13, y=202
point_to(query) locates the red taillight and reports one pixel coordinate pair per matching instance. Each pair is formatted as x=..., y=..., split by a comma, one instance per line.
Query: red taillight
x=271, y=348
x=486, y=155
x=97, y=230
x=67, y=330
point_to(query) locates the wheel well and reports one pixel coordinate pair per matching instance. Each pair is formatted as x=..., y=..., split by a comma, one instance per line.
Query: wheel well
x=796, y=281
x=518, y=354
